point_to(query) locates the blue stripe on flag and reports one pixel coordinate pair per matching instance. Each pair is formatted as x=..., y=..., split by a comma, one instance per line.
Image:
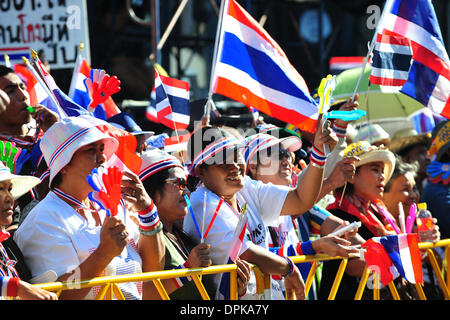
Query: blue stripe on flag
x=390, y=60
x=258, y=66
x=421, y=82
x=419, y=13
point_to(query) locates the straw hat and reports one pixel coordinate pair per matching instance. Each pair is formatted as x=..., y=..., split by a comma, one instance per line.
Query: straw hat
x=155, y=160
x=20, y=184
x=68, y=135
x=440, y=140
x=407, y=137
x=261, y=141
x=369, y=153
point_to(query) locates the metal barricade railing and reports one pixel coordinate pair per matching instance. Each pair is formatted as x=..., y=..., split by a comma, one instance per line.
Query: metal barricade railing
x=109, y=285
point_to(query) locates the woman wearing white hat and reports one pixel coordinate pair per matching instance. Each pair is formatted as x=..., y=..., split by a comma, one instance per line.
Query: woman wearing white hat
x=14, y=272
x=164, y=178
x=217, y=161
x=68, y=235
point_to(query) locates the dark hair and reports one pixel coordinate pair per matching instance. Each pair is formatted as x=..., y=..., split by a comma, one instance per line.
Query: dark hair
x=56, y=182
x=4, y=70
x=156, y=181
x=402, y=168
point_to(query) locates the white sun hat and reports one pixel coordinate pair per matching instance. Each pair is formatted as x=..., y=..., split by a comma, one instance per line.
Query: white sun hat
x=66, y=136
x=20, y=184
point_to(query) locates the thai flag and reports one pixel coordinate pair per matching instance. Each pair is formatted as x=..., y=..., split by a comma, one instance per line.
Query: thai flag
x=38, y=94
x=391, y=62
x=176, y=142
x=150, y=112
x=235, y=246
x=11, y=56
x=79, y=93
x=424, y=120
x=68, y=106
x=251, y=68
x=429, y=77
x=172, y=102
x=393, y=255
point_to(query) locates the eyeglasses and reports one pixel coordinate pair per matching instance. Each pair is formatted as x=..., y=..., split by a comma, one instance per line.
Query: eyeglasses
x=179, y=183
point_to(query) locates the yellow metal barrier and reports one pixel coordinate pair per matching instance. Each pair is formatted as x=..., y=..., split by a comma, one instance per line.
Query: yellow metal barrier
x=109, y=288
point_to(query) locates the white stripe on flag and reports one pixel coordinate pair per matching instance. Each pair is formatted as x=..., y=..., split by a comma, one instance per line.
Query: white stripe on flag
x=254, y=40
x=405, y=257
x=176, y=92
x=243, y=79
x=439, y=96
x=178, y=117
x=417, y=34
x=390, y=73
x=162, y=104
x=393, y=48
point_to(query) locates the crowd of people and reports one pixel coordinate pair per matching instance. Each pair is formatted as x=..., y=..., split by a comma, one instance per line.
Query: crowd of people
x=295, y=195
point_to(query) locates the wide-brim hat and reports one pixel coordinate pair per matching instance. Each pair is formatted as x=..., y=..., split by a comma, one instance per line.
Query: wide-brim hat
x=369, y=153
x=66, y=136
x=407, y=137
x=154, y=160
x=21, y=184
x=262, y=141
x=126, y=122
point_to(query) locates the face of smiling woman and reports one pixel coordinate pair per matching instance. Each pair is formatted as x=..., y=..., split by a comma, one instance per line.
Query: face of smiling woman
x=225, y=179
x=369, y=181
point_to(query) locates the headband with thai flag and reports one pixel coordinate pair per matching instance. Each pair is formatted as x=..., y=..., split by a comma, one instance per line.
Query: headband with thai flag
x=257, y=143
x=158, y=166
x=212, y=149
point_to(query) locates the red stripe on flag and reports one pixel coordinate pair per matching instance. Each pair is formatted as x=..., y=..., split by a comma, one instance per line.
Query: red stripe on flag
x=415, y=257
x=386, y=81
x=427, y=57
x=241, y=94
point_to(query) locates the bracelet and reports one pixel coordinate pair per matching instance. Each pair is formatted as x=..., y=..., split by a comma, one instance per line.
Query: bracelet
x=153, y=231
x=305, y=248
x=317, y=158
x=148, y=218
x=180, y=281
x=291, y=267
x=340, y=131
x=9, y=286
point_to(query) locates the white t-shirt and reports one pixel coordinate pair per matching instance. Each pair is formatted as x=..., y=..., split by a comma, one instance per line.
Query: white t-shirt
x=264, y=203
x=55, y=237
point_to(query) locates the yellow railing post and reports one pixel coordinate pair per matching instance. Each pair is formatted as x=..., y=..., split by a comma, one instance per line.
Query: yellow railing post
x=362, y=283
x=437, y=271
x=337, y=279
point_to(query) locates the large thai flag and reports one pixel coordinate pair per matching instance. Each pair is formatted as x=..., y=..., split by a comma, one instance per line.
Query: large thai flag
x=172, y=102
x=396, y=254
x=80, y=95
x=391, y=62
x=429, y=77
x=223, y=292
x=252, y=68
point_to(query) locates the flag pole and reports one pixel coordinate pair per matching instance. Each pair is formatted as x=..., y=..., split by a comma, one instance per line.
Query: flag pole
x=386, y=8
x=209, y=102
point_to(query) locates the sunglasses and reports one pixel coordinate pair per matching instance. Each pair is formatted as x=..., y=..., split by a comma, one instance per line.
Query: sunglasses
x=179, y=183
x=282, y=153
